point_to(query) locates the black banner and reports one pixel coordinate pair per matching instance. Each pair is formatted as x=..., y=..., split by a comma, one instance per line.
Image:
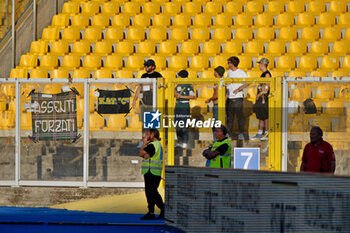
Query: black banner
x=114, y=102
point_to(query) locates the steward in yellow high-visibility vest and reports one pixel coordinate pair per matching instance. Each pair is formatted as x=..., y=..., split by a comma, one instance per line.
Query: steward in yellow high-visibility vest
x=219, y=154
x=152, y=154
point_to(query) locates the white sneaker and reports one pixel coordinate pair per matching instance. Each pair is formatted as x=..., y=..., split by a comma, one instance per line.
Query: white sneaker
x=178, y=145
x=257, y=137
x=184, y=145
x=265, y=137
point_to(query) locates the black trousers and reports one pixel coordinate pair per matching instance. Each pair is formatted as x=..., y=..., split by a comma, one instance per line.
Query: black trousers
x=234, y=111
x=151, y=190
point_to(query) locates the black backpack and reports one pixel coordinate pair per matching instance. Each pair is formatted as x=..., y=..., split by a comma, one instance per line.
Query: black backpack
x=309, y=106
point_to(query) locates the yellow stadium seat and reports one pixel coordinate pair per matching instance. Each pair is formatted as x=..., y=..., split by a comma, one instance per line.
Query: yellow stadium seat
x=59, y=48
x=316, y=7
x=276, y=48
x=71, y=34
x=93, y=34
x=189, y=48
x=71, y=61
x=319, y=48
x=202, y=20
x=172, y=8
x=199, y=62
x=151, y=8
x=178, y=62
x=297, y=74
x=220, y=60
x=110, y=8
x=287, y=34
x=243, y=20
x=285, y=20
x=192, y=8
x=50, y=34
x=307, y=63
x=18, y=73
x=3, y=104
x=90, y=7
x=310, y=34
x=125, y=47
x=206, y=92
x=347, y=34
x=70, y=8
x=28, y=61
x=121, y=20
x=254, y=7
x=325, y=92
x=275, y=7
x=199, y=103
x=234, y=7
x=326, y=19
x=160, y=61
x=305, y=19
x=92, y=62
x=264, y=20
x=135, y=62
x=60, y=20
x=265, y=34
x=103, y=48
x=100, y=20
x=223, y=20
x=26, y=121
x=141, y=20
x=340, y=48
x=103, y=73
x=331, y=34
x=245, y=62
x=81, y=47
x=48, y=61
x=301, y=92
x=136, y=34
x=254, y=48
x=243, y=34
x=168, y=47
x=335, y=108
x=295, y=7
x=59, y=73
x=135, y=123
x=124, y=74
x=146, y=48
x=323, y=122
x=81, y=73
x=233, y=47
x=222, y=34
x=114, y=34
x=297, y=48
x=213, y=8
x=179, y=34
x=115, y=123
x=114, y=62
x=337, y=7
x=200, y=34
x=80, y=20
x=329, y=63
x=39, y=47
x=168, y=74
x=340, y=73
x=183, y=1
x=207, y=74
x=252, y=92
x=131, y=8
x=253, y=73
x=96, y=121
x=161, y=20
x=52, y=89
x=318, y=73
x=285, y=63
x=192, y=73
x=344, y=19
x=80, y=106
x=39, y=73
x=157, y=34
x=212, y=48
x=277, y=73
x=182, y=20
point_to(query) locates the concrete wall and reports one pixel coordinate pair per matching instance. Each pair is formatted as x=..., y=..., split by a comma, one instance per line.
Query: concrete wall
x=24, y=34
x=227, y=200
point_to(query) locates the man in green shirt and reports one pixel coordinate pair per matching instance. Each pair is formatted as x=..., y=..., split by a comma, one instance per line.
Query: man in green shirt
x=183, y=94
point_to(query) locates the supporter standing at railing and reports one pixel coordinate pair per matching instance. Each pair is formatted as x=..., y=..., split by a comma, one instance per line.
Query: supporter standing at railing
x=261, y=106
x=318, y=155
x=234, y=103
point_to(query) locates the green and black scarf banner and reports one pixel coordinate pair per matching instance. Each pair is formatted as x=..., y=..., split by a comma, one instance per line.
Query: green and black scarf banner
x=114, y=102
x=54, y=116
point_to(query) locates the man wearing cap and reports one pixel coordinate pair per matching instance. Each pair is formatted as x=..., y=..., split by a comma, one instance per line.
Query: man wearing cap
x=183, y=94
x=234, y=102
x=218, y=73
x=261, y=106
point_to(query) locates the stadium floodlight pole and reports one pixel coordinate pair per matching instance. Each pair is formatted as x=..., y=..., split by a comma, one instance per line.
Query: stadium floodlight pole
x=18, y=133
x=13, y=34
x=34, y=20
x=86, y=134
x=284, y=125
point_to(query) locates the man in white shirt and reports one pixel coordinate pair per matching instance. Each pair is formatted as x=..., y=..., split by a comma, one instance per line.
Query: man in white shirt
x=235, y=94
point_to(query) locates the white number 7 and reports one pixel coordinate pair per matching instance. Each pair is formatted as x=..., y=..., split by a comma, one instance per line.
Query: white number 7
x=249, y=157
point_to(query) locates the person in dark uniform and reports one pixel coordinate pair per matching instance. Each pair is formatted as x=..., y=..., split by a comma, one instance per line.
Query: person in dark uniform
x=152, y=153
x=261, y=106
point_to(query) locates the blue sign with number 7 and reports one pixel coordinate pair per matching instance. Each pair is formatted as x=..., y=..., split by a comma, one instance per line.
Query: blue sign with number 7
x=247, y=158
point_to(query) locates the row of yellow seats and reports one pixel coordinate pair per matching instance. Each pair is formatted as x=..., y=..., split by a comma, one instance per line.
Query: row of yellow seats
x=323, y=91
x=201, y=34
x=209, y=7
